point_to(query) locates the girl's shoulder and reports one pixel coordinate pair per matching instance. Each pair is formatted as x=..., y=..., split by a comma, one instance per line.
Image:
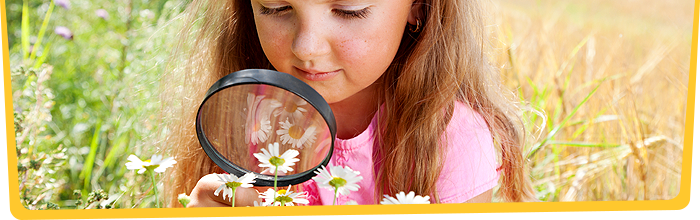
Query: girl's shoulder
x=469, y=165
x=468, y=132
x=465, y=118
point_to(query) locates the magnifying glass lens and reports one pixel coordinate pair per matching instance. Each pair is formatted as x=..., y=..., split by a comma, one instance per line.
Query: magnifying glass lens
x=263, y=128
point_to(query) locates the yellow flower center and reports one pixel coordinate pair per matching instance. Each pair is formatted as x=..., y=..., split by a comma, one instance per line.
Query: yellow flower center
x=337, y=182
x=150, y=167
x=290, y=107
x=256, y=127
x=281, y=198
x=233, y=185
x=296, y=132
x=276, y=161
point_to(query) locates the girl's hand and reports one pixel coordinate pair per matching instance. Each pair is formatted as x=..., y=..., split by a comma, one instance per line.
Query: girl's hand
x=203, y=194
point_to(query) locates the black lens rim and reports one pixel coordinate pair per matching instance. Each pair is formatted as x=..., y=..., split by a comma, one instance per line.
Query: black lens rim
x=277, y=79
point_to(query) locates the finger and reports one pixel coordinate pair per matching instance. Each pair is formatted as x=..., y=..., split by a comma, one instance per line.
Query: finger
x=205, y=203
x=203, y=192
x=246, y=197
x=207, y=185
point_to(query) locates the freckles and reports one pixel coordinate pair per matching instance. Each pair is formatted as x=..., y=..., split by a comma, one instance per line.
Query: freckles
x=274, y=39
x=275, y=35
x=355, y=51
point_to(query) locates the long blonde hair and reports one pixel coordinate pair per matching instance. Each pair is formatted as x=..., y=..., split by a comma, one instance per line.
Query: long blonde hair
x=444, y=62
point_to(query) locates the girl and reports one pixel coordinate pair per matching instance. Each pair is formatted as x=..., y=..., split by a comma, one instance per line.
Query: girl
x=417, y=104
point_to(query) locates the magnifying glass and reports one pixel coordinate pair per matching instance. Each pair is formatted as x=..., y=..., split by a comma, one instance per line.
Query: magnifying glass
x=248, y=113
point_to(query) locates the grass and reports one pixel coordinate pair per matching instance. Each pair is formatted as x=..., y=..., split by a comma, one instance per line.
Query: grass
x=604, y=86
x=83, y=105
x=610, y=83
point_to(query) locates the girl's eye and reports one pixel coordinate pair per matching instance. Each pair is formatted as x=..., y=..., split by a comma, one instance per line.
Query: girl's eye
x=273, y=11
x=362, y=13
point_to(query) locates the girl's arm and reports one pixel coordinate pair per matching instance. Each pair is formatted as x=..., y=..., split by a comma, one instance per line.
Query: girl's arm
x=470, y=170
x=203, y=194
x=482, y=198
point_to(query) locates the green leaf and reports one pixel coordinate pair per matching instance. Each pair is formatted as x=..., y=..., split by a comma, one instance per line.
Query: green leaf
x=25, y=30
x=43, y=56
x=90, y=160
x=563, y=123
x=44, y=24
x=572, y=55
x=116, y=151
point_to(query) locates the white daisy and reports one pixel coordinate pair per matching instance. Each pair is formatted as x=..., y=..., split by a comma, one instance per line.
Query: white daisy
x=291, y=108
x=255, y=129
x=342, y=180
x=272, y=159
x=403, y=198
x=295, y=135
x=256, y=204
x=351, y=202
x=283, y=197
x=231, y=182
x=184, y=199
x=156, y=163
x=262, y=118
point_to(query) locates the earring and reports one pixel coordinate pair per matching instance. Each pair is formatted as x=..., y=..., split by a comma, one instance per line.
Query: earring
x=416, y=28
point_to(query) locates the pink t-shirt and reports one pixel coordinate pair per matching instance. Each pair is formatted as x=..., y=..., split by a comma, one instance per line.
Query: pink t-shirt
x=470, y=166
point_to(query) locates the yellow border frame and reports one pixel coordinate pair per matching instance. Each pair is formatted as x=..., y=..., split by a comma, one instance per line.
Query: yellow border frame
x=677, y=203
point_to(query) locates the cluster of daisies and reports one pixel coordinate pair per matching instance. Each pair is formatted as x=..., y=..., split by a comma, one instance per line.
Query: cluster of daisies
x=263, y=116
x=261, y=112
x=154, y=165
x=341, y=180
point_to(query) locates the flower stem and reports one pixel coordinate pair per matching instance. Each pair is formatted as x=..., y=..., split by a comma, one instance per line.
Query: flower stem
x=335, y=195
x=155, y=188
x=276, y=179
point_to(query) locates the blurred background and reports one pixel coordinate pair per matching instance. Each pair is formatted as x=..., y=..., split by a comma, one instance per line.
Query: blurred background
x=603, y=84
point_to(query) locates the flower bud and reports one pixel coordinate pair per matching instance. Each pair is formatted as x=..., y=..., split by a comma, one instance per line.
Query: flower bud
x=102, y=13
x=64, y=32
x=63, y=3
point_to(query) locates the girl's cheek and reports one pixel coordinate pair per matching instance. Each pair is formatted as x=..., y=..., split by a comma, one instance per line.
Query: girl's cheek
x=371, y=55
x=355, y=51
x=274, y=39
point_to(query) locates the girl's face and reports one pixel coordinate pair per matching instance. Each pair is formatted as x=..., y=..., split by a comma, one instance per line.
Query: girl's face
x=339, y=47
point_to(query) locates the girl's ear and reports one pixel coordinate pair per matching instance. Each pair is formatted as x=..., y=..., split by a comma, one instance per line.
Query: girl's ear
x=415, y=12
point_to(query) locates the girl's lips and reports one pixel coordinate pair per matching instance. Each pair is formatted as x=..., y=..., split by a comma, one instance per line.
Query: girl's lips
x=315, y=75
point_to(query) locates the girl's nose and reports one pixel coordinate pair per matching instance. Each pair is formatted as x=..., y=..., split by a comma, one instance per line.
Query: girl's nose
x=310, y=40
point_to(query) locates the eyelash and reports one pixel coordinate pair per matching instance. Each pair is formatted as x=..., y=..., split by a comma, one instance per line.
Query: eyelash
x=349, y=14
x=273, y=11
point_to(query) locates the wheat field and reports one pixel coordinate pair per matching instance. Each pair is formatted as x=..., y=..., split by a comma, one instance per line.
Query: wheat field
x=605, y=87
